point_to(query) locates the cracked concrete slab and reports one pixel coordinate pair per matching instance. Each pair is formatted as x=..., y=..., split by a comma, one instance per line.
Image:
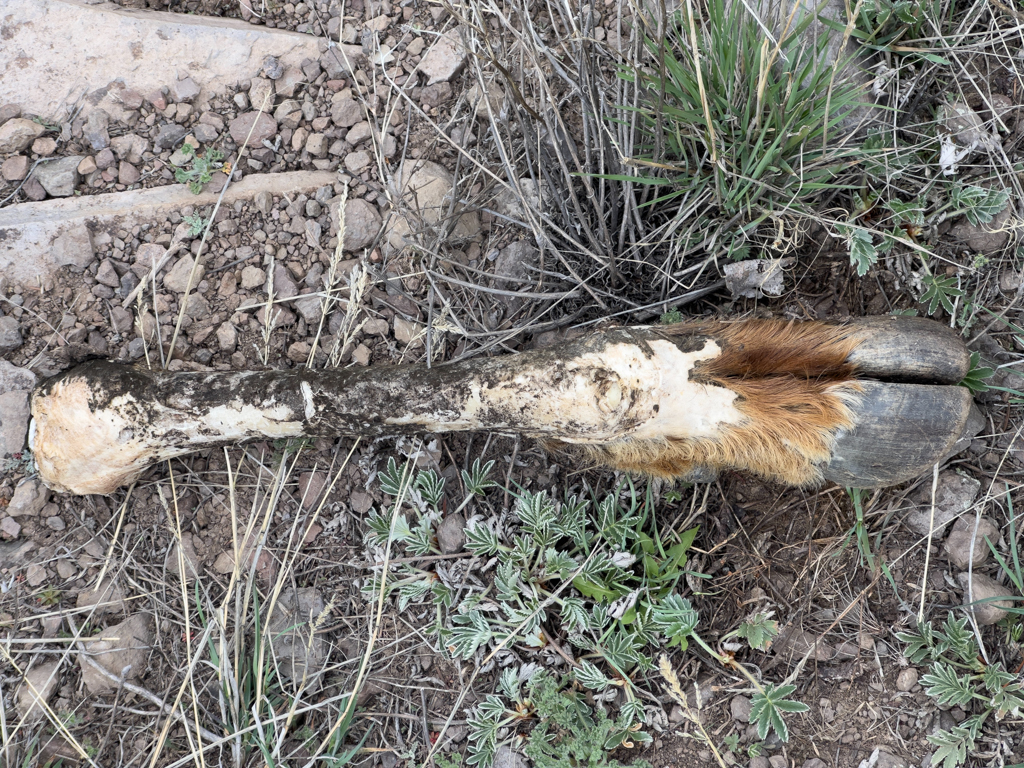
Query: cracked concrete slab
x=57, y=53
x=36, y=239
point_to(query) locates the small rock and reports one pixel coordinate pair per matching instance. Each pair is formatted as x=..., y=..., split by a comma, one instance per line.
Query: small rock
x=346, y=112
x=954, y=494
x=44, y=146
x=56, y=523
x=311, y=485
x=227, y=337
x=177, y=278
x=9, y=112
x=34, y=190
x=127, y=174
x=169, y=136
x=316, y=145
x=131, y=100
x=434, y=95
x=253, y=277
x=10, y=527
x=886, y=760
x=755, y=278
x=264, y=202
x=958, y=543
x=14, y=418
x=104, y=598
x=481, y=98
x=184, y=90
x=13, y=378
x=95, y=129
x=130, y=147
x=793, y=643
x=340, y=61
x=815, y=762
x=261, y=94
x=147, y=256
x=29, y=498
x=225, y=563
x=906, y=679
x=362, y=224
x=778, y=761
x=300, y=652
x=36, y=575
x=451, y=534
x=204, y=133
x=740, y=707
x=15, y=168
x=262, y=125
x=426, y=188
x=87, y=166
x=988, y=239
x=193, y=566
x=445, y=58
x=284, y=286
x=357, y=161
x=105, y=159
x=759, y=761
x=121, y=650
x=290, y=81
x=272, y=67
x=17, y=134
x=311, y=309
x=985, y=588
x=360, y=502
x=506, y=757
x=361, y=355
x=59, y=177
x=407, y=332
x=107, y=275
x=36, y=690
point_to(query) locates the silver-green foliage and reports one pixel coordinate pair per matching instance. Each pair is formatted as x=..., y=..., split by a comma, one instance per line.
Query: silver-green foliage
x=598, y=573
x=957, y=676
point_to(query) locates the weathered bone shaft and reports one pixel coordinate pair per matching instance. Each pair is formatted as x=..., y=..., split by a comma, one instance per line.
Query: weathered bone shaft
x=765, y=396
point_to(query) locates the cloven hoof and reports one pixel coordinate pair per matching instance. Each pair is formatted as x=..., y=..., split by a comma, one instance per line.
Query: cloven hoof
x=870, y=403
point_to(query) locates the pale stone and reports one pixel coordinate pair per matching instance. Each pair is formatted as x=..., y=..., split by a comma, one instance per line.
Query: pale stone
x=29, y=498
x=445, y=59
x=227, y=337
x=110, y=46
x=253, y=277
x=104, y=598
x=177, y=278
x=985, y=591
x=121, y=650
x=38, y=238
x=37, y=689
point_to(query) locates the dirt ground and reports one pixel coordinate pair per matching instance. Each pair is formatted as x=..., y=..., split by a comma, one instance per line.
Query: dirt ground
x=293, y=516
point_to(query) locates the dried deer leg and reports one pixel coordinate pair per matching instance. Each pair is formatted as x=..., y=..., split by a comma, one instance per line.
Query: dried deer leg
x=868, y=403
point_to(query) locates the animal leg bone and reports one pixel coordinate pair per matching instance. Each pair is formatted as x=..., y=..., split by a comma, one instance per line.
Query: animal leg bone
x=794, y=402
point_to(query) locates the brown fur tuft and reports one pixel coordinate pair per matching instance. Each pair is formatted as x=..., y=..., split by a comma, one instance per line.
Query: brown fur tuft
x=794, y=385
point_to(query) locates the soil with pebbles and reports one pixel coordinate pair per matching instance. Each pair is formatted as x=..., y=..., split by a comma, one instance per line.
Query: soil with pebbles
x=766, y=544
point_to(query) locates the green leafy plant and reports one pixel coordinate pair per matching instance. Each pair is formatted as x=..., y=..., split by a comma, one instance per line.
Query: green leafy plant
x=979, y=204
x=768, y=706
x=977, y=375
x=957, y=676
x=940, y=291
x=759, y=630
x=199, y=169
x=671, y=316
x=566, y=732
x=196, y=223
x=597, y=573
